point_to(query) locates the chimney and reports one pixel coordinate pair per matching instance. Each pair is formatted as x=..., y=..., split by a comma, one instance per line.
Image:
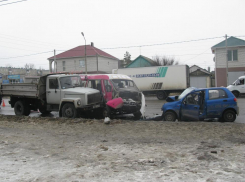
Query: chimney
x=92, y=44
x=208, y=69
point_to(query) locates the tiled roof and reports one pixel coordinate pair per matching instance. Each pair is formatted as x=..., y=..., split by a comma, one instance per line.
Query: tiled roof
x=231, y=42
x=80, y=52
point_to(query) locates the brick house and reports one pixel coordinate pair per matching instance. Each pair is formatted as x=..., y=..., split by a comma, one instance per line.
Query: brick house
x=73, y=60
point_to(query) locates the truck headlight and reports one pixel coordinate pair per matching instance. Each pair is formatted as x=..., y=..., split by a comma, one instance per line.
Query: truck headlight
x=78, y=102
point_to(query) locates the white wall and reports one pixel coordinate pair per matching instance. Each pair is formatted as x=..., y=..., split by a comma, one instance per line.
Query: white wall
x=72, y=64
x=220, y=57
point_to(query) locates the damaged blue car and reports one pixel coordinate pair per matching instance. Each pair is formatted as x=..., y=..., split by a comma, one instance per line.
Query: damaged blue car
x=200, y=104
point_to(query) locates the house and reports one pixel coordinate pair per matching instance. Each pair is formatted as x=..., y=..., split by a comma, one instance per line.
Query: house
x=73, y=60
x=199, y=77
x=141, y=61
x=236, y=60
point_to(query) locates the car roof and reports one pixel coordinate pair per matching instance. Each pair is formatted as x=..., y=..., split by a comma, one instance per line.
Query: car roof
x=241, y=77
x=212, y=88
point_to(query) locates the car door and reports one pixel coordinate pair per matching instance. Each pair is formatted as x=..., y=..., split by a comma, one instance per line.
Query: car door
x=190, y=107
x=53, y=91
x=107, y=90
x=216, y=102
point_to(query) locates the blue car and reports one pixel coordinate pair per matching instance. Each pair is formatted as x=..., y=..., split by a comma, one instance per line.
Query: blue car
x=199, y=104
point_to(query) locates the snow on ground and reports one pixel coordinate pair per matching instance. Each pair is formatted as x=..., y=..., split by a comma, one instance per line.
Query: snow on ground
x=57, y=149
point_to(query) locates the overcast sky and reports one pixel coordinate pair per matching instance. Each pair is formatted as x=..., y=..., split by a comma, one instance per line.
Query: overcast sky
x=40, y=26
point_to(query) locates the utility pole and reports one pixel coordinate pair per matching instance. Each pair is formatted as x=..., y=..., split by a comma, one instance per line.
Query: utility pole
x=227, y=71
x=85, y=54
x=55, y=65
x=97, y=63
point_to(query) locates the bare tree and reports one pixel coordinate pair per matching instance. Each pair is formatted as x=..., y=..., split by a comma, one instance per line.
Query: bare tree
x=29, y=66
x=165, y=61
x=127, y=58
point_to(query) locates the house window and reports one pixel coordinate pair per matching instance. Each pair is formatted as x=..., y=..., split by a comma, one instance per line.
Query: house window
x=82, y=63
x=232, y=55
x=64, y=65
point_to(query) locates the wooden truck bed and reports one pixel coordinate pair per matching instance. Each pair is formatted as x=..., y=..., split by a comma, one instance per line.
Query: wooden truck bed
x=29, y=90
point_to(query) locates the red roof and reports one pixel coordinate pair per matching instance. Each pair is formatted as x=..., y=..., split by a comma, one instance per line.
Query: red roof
x=80, y=52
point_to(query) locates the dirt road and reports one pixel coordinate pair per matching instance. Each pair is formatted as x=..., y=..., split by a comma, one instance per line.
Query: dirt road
x=55, y=149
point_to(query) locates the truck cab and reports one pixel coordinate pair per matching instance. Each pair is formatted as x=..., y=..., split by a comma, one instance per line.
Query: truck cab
x=64, y=93
x=238, y=87
x=200, y=104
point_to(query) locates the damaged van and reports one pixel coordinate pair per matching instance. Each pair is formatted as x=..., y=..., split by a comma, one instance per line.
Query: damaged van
x=119, y=93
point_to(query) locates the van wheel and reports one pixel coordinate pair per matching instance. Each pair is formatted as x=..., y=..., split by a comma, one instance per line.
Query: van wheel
x=236, y=93
x=19, y=108
x=229, y=116
x=161, y=95
x=169, y=116
x=69, y=111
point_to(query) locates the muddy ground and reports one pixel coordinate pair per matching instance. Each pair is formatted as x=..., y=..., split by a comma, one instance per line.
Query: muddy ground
x=57, y=149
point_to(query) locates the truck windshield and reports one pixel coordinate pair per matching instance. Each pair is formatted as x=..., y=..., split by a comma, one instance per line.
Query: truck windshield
x=185, y=92
x=70, y=82
x=121, y=83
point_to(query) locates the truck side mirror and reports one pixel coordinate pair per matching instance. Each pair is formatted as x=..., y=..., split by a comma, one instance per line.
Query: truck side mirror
x=184, y=102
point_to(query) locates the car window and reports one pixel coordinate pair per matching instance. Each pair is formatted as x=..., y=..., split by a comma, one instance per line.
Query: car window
x=53, y=84
x=217, y=94
x=108, y=86
x=192, y=99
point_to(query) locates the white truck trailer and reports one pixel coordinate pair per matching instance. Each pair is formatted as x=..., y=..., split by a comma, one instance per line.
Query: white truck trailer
x=159, y=80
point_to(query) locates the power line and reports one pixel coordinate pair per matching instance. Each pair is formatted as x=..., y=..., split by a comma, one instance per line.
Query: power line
x=12, y=2
x=27, y=55
x=3, y=0
x=168, y=43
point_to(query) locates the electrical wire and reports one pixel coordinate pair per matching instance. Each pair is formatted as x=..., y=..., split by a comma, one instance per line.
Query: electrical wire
x=12, y=3
x=27, y=55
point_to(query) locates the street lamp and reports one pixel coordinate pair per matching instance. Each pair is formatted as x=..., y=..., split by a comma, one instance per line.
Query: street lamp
x=85, y=54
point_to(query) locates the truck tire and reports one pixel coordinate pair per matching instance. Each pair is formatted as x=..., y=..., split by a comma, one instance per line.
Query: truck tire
x=228, y=116
x=20, y=108
x=161, y=95
x=169, y=116
x=69, y=111
x=137, y=115
x=236, y=93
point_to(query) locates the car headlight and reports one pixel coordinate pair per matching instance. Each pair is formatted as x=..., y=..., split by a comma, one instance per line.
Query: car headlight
x=78, y=102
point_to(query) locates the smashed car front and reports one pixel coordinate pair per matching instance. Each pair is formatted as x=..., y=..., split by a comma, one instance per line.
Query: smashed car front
x=130, y=94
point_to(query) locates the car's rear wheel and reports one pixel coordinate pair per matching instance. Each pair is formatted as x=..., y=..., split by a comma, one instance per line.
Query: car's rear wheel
x=229, y=116
x=169, y=116
x=236, y=93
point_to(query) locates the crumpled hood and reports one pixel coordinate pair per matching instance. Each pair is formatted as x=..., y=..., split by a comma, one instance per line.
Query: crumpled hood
x=80, y=90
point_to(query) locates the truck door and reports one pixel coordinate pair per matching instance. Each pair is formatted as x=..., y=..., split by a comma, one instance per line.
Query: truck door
x=190, y=107
x=107, y=86
x=53, y=91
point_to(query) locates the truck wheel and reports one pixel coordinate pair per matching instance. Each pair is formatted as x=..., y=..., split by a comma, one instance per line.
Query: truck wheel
x=137, y=115
x=69, y=111
x=236, y=93
x=229, y=116
x=161, y=95
x=19, y=108
x=169, y=116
